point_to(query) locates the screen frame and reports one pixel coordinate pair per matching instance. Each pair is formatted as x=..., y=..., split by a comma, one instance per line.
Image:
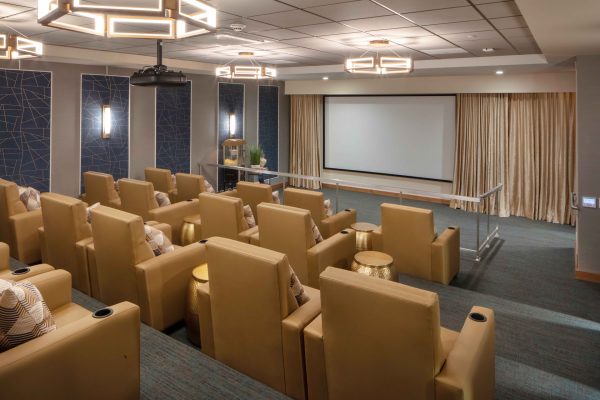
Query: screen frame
x=381, y=95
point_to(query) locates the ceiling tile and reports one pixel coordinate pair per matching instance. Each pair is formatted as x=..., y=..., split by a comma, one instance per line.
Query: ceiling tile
x=509, y=22
x=281, y=34
x=476, y=47
x=289, y=19
x=270, y=45
x=516, y=32
x=319, y=55
x=251, y=25
x=457, y=14
x=330, y=28
x=401, y=32
x=425, y=42
x=246, y=8
x=353, y=39
x=525, y=45
x=385, y=22
x=445, y=51
x=322, y=45
x=472, y=36
x=7, y=10
x=311, y=3
x=350, y=10
x=460, y=27
x=499, y=10
x=407, y=6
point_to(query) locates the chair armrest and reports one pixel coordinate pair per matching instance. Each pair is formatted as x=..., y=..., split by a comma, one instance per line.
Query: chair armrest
x=445, y=256
x=377, y=239
x=469, y=371
x=24, y=231
x=207, y=339
x=115, y=203
x=293, y=343
x=163, y=227
x=173, y=196
x=42, y=239
x=175, y=214
x=84, y=264
x=246, y=236
x=4, y=256
x=231, y=193
x=255, y=239
x=314, y=355
x=32, y=271
x=104, y=352
x=55, y=287
x=337, y=222
x=90, y=253
x=162, y=284
x=337, y=251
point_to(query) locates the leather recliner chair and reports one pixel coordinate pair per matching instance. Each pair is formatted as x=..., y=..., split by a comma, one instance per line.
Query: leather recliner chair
x=100, y=188
x=408, y=235
x=381, y=339
x=99, y=358
x=189, y=186
x=249, y=319
x=253, y=194
x=126, y=269
x=19, y=227
x=64, y=237
x=313, y=201
x=224, y=216
x=289, y=231
x=162, y=181
x=24, y=273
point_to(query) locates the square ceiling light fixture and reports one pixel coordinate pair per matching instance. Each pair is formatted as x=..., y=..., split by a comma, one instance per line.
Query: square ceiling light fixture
x=14, y=47
x=379, y=65
x=160, y=19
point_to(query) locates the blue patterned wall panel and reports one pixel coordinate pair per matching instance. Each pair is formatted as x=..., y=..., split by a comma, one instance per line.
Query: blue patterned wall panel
x=268, y=124
x=173, y=119
x=231, y=100
x=111, y=155
x=25, y=109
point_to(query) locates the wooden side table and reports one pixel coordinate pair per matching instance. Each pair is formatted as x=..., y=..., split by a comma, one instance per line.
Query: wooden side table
x=364, y=233
x=192, y=325
x=190, y=230
x=374, y=263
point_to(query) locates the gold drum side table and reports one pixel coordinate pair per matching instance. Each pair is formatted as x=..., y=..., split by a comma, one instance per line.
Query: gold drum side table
x=192, y=325
x=374, y=263
x=364, y=234
x=190, y=230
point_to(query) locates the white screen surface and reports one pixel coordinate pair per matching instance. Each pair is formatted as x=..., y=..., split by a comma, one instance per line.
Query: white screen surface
x=398, y=135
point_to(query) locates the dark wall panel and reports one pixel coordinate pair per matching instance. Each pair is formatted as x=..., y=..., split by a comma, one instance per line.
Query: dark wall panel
x=268, y=124
x=231, y=101
x=173, y=118
x=111, y=155
x=25, y=109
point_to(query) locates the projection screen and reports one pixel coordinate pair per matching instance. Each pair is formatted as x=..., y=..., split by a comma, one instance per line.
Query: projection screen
x=411, y=136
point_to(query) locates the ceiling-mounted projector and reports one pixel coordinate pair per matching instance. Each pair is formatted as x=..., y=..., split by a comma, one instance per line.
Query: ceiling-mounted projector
x=159, y=74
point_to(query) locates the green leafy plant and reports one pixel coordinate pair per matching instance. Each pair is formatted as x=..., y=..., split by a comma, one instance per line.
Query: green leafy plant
x=255, y=154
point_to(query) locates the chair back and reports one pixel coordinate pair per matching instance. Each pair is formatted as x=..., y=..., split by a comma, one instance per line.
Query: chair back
x=99, y=188
x=381, y=338
x=160, y=179
x=407, y=236
x=189, y=186
x=310, y=200
x=253, y=194
x=120, y=244
x=250, y=296
x=65, y=223
x=221, y=216
x=287, y=230
x=10, y=205
x=137, y=197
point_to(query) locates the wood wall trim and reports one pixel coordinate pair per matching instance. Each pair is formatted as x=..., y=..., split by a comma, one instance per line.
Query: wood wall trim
x=386, y=193
x=587, y=276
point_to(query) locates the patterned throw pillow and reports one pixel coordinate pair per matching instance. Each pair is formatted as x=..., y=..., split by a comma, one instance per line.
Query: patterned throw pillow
x=23, y=314
x=157, y=240
x=249, y=217
x=116, y=186
x=297, y=289
x=208, y=187
x=327, y=206
x=30, y=197
x=162, y=198
x=173, y=181
x=88, y=212
x=275, y=196
x=315, y=231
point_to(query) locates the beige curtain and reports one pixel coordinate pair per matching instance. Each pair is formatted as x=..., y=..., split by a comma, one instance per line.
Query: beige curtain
x=305, y=128
x=527, y=142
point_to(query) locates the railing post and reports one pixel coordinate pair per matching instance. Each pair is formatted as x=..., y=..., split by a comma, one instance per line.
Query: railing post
x=477, y=251
x=337, y=197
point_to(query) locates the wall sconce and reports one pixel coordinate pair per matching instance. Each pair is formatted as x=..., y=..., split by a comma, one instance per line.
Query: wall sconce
x=106, y=121
x=232, y=125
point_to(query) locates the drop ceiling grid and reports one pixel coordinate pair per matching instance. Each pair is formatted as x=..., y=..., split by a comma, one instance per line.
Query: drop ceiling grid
x=312, y=31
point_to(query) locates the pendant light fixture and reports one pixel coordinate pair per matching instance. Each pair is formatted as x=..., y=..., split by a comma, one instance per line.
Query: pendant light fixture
x=379, y=65
x=18, y=47
x=160, y=19
x=252, y=71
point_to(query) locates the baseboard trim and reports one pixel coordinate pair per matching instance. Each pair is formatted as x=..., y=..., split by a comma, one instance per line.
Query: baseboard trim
x=386, y=193
x=587, y=276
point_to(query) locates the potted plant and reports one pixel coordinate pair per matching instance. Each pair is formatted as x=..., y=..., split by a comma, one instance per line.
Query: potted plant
x=255, y=155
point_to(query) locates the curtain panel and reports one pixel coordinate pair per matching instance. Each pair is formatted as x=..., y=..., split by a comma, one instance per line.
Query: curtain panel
x=306, y=116
x=527, y=142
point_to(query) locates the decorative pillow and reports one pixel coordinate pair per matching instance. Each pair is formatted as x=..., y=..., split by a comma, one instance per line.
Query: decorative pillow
x=208, y=187
x=173, y=181
x=275, y=196
x=327, y=206
x=88, y=212
x=315, y=231
x=116, y=185
x=30, y=197
x=162, y=198
x=157, y=240
x=23, y=314
x=297, y=289
x=249, y=217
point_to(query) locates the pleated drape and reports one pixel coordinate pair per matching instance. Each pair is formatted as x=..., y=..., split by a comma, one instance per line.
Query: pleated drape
x=305, y=126
x=527, y=142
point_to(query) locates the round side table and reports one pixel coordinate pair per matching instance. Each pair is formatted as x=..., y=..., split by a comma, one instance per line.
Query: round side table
x=190, y=230
x=364, y=233
x=192, y=326
x=374, y=263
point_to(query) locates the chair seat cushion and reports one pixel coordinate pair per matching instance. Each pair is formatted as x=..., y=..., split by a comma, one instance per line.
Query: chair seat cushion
x=23, y=314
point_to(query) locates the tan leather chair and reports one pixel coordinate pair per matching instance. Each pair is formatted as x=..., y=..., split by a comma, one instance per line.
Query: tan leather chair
x=189, y=186
x=224, y=216
x=249, y=319
x=18, y=227
x=312, y=201
x=253, y=193
x=162, y=181
x=126, y=269
x=64, y=237
x=19, y=274
x=289, y=231
x=381, y=339
x=100, y=188
x=4, y=256
x=84, y=358
x=408, y=235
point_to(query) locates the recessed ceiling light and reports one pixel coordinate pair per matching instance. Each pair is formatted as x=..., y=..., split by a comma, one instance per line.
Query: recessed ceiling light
x=246, y=54
x=379, y=43
x=499, y=72
x=325, y=78
x=488, y=49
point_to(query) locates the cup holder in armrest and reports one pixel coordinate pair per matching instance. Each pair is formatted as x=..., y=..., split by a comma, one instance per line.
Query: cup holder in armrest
x=477, y=317
x=348, y=209
x=21, y=271
x=452, y=227
x=102, y=313
x=203, y=241
x=190, y=200
x=344, y=232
